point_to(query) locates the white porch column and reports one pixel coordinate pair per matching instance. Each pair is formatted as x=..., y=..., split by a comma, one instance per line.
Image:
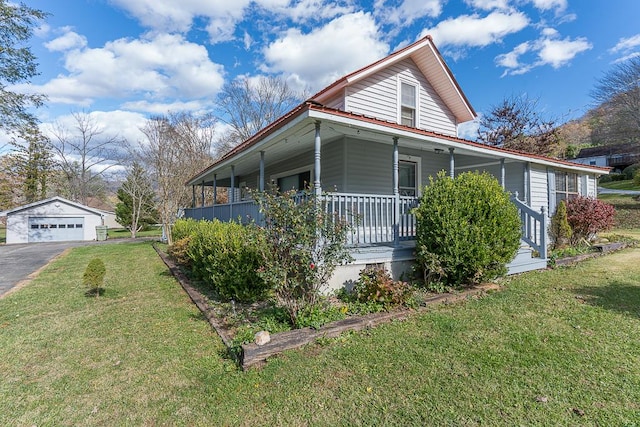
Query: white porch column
x=525, y=196
x=215, y=188
x=452, y=163
x=202, y=193
x=318, y=145
x=396, y=194
x=502, y=174
x=261, y=183
x=232, y=192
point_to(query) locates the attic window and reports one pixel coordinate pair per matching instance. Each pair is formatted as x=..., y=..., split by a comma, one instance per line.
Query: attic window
x=407, y=104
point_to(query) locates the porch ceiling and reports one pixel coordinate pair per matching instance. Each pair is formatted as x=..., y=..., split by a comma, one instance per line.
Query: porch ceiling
x=299, y=138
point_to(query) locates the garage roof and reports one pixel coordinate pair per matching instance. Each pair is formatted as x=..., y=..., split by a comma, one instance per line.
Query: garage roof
x=48, y=201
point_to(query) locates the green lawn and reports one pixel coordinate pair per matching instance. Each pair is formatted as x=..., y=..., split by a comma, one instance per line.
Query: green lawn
x=123, y=233
x=3, y=235
x=557, y=347
x=620, y=185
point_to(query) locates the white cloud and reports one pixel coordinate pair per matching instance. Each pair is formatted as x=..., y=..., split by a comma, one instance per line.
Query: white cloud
x=559, y=52
x=68, y=41
x=303, y=10
x=154, y=67
x=317, y=58
x=473, y=30
x=469, y=130
x=558, y=5
x=123, y=124
x=547, y=50
x=160, y=108
x=488, y=4
x=410, y=10
x=626, y=44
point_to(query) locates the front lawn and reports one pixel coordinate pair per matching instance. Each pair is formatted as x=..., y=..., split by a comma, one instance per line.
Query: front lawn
x=557, y=347
x=3, y=234
x=123, y=233
x=627, y=210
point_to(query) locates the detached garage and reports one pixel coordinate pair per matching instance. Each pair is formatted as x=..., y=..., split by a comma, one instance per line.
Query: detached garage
x=52, y=220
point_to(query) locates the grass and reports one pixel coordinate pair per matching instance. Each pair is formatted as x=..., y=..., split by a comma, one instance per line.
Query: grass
x=557, y=347
x=620, y=185
x=123, y=233
x=3, y=235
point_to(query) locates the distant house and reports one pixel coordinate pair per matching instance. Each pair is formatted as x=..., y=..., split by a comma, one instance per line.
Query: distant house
x=370, y=141
x=52, y=220
x=617, y=156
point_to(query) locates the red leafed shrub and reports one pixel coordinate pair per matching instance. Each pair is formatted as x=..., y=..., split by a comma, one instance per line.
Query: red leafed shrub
x=588, y=216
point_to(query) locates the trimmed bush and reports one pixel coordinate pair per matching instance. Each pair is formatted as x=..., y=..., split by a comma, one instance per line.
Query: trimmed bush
x=224, y=255
x=588, y=216
x=468, y=227
x=93, y=276
x=630, y=171
x=560, y=230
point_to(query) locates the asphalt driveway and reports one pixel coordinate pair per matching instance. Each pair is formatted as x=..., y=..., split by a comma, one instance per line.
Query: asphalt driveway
x=17, y=262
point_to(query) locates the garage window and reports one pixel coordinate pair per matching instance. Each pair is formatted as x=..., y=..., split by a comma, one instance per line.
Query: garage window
x=34, y=226
x=53, y=226
x=63, y=226
x=78, y=225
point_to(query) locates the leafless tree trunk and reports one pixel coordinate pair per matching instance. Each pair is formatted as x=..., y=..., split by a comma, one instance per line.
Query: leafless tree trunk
x=251, y=104
x=177, y=146
x=85, y=154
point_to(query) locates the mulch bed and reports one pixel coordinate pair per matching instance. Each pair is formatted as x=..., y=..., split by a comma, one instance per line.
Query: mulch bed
x=253, y=354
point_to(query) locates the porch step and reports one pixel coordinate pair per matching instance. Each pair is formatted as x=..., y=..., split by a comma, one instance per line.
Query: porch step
x=524, y=261
x=382, y=253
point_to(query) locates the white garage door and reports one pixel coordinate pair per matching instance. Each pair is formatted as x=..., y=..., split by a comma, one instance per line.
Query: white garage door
x=54, y=229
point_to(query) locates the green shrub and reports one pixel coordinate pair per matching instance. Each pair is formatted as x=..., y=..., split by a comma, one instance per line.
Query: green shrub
x=559, y=229
x=630, y=171
x=93, y=277
x=224, y=255
x=184, y=228
x=636, y=178
x=469, y=226
x=376, y=285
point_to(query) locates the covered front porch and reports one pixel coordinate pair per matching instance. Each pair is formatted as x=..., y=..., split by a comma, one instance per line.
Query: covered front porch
x=367, y=174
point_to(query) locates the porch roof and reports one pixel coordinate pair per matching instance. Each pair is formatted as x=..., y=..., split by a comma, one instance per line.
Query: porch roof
x=293, y=134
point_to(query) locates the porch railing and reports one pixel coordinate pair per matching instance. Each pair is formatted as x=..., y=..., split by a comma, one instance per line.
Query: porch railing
x=371, y=216
x=534, y=226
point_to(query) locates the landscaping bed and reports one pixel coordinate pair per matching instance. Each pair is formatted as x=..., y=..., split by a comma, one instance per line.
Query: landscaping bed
x=220, y=317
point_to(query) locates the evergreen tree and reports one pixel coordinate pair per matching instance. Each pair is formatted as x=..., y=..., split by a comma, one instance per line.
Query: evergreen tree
x=136, y=207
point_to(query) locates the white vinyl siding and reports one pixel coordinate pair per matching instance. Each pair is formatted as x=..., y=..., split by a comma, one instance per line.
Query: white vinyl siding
x=538, y=188
x=378, y=96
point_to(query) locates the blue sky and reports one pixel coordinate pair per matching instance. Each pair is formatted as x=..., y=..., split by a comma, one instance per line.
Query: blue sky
x=124, y=60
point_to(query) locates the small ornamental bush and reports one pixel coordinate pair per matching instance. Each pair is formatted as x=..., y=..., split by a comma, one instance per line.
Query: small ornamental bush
x=376, y=285
x=179, y=251
x=93, y=276
x=588, y=216
x=303, y=243
x=560, y=230
x=467, y=227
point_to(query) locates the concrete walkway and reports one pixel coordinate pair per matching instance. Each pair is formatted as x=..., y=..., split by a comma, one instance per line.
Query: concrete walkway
x=20, y=261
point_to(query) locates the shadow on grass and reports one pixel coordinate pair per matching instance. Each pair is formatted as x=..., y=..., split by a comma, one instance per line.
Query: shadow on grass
x=616, y=296
x=95, y=292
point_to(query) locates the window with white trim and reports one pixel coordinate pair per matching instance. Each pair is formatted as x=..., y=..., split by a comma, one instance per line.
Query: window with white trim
x=566, y=186
x=408, y=105
x=407, y=174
